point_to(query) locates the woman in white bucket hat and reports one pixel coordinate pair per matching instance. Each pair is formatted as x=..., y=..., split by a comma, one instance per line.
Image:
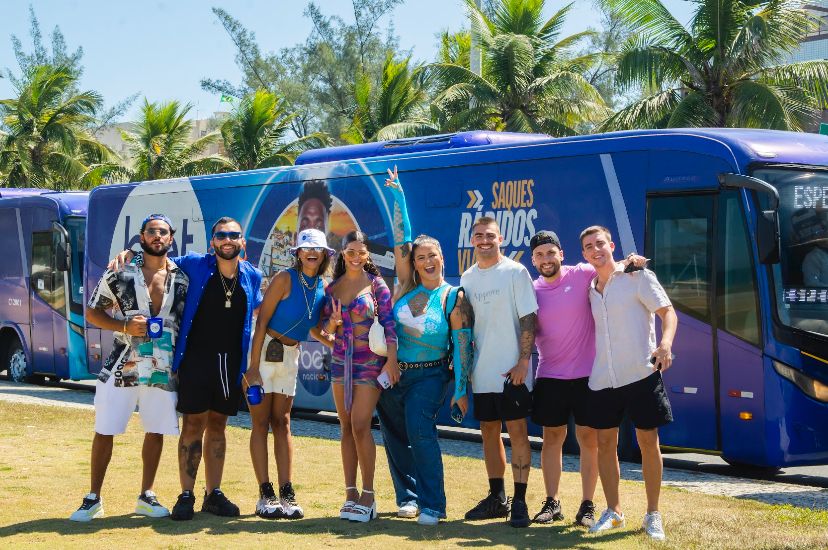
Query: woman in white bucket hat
x=289, y=313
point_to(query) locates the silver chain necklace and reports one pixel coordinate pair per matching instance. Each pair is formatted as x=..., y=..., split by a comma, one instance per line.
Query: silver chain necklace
x=309, y=306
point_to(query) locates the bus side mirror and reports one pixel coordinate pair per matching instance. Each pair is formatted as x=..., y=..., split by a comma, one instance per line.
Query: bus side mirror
x=767, y=236
x=767, y=221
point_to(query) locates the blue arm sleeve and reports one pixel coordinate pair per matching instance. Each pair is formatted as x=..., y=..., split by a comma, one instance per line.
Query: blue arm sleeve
x=400, y=222
x=463, y=358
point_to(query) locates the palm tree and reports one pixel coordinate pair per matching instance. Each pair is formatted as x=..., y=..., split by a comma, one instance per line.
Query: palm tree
x=160, y=145
x=724, y=69
x=47, y=142
x=531, y=81
x=395, y=110
x=254, y=134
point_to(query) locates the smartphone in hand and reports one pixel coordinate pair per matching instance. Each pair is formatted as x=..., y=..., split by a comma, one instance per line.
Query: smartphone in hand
x=457, y=413
x=384, y=381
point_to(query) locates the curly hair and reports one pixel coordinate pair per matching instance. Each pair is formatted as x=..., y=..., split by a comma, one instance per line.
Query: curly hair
x=316, y=189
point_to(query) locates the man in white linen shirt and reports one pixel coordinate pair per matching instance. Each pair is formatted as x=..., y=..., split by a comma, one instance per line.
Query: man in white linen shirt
x=626, y=375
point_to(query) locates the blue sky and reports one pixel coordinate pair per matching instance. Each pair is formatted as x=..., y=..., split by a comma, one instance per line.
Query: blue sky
x=162, y=48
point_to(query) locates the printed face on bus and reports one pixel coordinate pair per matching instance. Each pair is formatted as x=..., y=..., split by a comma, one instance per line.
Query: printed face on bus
x=428, y=263
x=355, y=255
x=597, y=249
x=486, y=239
x=547, y=259
x=227, y=240
x=313, y=215
x=156, y=238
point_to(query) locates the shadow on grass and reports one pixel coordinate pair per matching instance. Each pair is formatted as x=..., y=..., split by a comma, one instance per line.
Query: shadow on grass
x=456, y=532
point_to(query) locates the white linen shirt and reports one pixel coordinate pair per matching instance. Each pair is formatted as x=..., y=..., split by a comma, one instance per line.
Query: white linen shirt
x=625, y=327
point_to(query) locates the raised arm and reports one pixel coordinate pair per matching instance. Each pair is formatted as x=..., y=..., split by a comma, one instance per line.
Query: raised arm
x=278, y=288
x=462, y=321
x=401, y=226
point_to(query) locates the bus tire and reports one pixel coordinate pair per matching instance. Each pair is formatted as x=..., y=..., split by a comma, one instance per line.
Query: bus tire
x=16, y=362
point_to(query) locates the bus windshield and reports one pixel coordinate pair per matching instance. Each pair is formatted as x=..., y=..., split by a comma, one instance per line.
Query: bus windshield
x=77, y=239
x=801, y=278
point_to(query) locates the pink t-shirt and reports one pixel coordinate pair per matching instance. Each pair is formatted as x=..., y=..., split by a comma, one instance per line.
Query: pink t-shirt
x=565, y=336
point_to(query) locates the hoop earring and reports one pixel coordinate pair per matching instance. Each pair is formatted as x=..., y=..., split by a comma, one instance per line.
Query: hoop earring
x=416, y=278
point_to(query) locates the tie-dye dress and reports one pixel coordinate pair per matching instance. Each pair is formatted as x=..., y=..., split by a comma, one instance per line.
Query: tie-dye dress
x=353, y=362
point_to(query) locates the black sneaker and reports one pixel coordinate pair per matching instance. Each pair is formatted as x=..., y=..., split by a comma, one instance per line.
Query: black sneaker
x=551, y=511
x=489, y=508
x=183, y=509
x=268, y=506
x=217, y=504
x=586, y=514
x=290, y=507
x=519, y=514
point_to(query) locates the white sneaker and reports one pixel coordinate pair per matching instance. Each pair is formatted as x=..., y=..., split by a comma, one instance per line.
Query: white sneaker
x=149, y=506
x=408, y=510
x=290, y=508
x=91, y=508
x=608, y=520
x=427, y=519
x=269, y=508
x=653, y=526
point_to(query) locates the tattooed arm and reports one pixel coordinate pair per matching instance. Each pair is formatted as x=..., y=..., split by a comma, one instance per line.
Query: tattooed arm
x=402, y=230
x=462, y=321
x=528, y=325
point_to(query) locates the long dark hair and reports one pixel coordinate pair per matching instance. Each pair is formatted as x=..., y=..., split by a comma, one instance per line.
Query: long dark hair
x=339, y=267
x=407, y=286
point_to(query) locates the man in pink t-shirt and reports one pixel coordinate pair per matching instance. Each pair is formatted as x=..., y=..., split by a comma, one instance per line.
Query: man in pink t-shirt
x=565, y=339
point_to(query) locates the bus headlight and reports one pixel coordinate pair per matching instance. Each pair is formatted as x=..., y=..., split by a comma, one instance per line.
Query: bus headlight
x=812, y=388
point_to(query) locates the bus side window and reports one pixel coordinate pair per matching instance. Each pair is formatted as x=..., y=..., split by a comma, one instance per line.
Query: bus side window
x=679, y=242
x=10, y=266
x=46, y=280
x=737, y=309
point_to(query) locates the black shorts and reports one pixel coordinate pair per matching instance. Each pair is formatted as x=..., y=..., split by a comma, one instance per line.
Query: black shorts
x=490, y=407
x=644, y=401
x=554, y=400
x=209, y=382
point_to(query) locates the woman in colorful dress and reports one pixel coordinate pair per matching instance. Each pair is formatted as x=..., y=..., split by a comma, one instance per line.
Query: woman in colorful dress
x=433, y=326
x=356, y=296
x=289, y=313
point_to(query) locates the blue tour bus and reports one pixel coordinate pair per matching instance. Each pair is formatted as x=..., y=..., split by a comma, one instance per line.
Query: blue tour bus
x=41, y=290
x=734, y=221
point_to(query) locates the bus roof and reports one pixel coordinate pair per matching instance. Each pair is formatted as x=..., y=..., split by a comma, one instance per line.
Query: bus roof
x=69, y=203
x=416, y=145
x=9, y=192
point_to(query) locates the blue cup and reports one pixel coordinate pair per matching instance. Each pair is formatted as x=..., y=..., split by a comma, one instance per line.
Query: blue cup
x=155, y=327
x=255, y=394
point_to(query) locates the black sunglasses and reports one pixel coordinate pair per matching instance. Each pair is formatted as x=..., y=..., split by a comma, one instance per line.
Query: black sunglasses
x=224, y=235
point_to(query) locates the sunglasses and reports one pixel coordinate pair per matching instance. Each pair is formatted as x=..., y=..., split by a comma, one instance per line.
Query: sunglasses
x=224, y=235
x=315, y=249
x=356, y=253
x=156, y=231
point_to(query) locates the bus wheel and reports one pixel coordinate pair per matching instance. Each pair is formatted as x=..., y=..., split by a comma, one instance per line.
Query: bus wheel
x=752, y=469
x=17, y=363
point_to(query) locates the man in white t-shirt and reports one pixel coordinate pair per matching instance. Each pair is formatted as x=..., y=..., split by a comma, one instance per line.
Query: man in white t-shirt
x=626, y=375
x=505, y=314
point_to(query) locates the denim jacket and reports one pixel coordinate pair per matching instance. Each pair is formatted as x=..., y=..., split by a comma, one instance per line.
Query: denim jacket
x=199, y=268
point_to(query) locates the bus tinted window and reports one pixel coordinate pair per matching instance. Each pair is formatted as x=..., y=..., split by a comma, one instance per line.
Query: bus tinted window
x=737, y=306
x=679, y=235
x=10, y=268
x=47, y=281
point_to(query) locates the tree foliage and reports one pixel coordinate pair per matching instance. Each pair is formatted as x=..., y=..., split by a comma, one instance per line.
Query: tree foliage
x=725, y=69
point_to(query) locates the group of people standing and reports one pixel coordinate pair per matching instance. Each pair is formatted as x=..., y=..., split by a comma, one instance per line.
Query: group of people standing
x=592, y=324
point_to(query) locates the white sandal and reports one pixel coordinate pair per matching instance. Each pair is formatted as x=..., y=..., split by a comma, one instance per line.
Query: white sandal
x=364, y=514
x=347, y=508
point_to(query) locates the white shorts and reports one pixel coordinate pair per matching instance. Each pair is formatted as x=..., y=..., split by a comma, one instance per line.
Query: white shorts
x=280, y=377
x=114, y=407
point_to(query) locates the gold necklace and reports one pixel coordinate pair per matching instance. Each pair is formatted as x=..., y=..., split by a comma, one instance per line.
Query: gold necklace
x=309, y=307
x=228, y=293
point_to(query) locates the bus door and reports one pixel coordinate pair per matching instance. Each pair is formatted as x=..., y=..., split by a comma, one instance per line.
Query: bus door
x=48, y=302
x=702, y=256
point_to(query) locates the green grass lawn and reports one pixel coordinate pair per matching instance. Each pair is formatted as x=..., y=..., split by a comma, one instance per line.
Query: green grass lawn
x=44, y=473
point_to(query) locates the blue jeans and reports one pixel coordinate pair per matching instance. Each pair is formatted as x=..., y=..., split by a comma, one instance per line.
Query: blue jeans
x=408, y=418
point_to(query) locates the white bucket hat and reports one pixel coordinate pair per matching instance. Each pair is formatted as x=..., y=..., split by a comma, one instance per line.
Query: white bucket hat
x=311, y=238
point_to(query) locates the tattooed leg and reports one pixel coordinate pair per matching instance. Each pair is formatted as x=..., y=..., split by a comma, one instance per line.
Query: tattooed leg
x=215, y=445
x=190, y=448
x=521, y=452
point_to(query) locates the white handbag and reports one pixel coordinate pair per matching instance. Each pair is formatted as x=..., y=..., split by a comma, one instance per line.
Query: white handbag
x=376, y=335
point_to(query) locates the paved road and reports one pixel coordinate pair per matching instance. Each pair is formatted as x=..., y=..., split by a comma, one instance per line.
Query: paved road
x=804, y=487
